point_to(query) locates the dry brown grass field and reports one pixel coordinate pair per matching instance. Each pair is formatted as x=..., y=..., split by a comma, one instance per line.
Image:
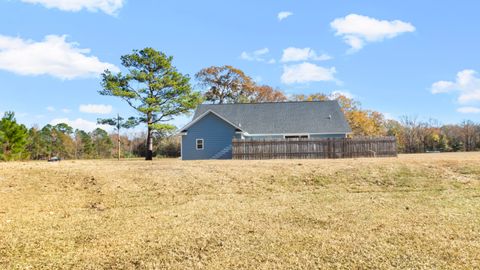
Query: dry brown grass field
x=415, y=212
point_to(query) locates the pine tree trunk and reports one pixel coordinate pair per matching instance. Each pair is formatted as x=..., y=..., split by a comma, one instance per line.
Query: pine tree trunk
x=149, y=155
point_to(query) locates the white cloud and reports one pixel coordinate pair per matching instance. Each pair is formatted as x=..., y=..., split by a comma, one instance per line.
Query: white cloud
x=258, y=55
x=50, y=109
x=467, y=84
x=65, y=110
x=110, y=7
x=442, y=87
x=79, y=123
x=96, y=108
x=306, y=72
x=292, y=54
x=357, y=30
x=53, y=56
x=283, y=15
x=468, y=110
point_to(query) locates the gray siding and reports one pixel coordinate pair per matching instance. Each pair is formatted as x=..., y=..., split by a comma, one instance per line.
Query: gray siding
x=217, y=135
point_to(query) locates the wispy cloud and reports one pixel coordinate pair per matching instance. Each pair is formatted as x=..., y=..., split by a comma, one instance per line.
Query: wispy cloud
x=79, y=123
x=283, y=15
x=258, y=55
x=468, y=110
x=357, y=30
x=53, y=56
x=96, y=108
x=110, y=7
x=293, y=54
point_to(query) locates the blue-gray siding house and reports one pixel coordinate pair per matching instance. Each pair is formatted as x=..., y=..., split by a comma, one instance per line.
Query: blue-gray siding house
x=209, y=135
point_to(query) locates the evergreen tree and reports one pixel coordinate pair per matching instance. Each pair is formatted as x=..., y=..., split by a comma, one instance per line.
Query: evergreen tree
x=13, y=138
x=153, y=87
x=83, y=145
x=48, y=140
x=102, y=142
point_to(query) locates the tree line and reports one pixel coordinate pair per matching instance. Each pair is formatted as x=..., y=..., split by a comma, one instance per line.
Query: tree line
x=158, y=92
x=61, y=140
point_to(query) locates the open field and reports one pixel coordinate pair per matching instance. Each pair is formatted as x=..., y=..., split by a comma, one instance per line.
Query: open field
x=415, y=211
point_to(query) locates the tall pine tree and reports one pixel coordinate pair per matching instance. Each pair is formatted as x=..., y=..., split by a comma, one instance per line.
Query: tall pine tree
x=154, y=88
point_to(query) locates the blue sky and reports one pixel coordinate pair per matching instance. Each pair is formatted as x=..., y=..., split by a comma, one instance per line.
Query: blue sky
x=417, y=58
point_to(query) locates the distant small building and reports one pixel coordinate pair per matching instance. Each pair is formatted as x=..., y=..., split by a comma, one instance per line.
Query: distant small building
x=210, y=133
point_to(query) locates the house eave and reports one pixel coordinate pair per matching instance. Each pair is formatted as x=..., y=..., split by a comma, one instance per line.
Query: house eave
x=185, y=128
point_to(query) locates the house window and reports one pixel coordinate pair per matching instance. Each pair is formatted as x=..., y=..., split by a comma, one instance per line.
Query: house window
x=296, y=137
x=199, y=144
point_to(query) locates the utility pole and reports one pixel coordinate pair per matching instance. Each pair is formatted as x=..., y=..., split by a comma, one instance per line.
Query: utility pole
x=119, y=123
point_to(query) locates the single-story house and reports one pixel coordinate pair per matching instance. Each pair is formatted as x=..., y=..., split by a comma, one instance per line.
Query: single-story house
x=209, y=135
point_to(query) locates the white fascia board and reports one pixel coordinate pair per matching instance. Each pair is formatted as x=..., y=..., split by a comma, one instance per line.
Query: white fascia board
x=205, y=114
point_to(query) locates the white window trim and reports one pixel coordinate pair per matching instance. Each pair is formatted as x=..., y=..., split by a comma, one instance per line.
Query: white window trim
x=203, y=144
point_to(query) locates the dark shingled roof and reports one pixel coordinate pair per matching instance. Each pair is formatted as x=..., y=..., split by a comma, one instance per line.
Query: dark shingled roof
x=282, y=117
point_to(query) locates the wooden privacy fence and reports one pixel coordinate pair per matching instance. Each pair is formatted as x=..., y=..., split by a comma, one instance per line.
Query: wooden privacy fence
x=314, y=148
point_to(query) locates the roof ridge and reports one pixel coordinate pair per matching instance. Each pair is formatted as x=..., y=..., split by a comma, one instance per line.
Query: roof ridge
x=273, y=102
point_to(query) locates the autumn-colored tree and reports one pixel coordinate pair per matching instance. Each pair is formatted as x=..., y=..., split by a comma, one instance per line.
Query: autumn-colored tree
x=470, y=134
x=225, y=84
x=430, y=135
x=311, y=97
x=265, y=93
x=454, y=134
x=411, y=133
x=366, y=122
x=395, y=129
